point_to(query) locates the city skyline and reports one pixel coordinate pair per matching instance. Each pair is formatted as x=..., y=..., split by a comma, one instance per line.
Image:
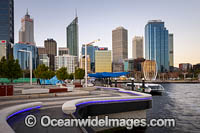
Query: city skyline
x=132, y=15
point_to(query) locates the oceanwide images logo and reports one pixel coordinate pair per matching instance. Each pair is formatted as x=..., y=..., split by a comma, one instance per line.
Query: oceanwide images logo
x=47, y=121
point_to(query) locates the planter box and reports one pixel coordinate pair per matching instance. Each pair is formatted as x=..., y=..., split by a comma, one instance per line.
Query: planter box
x=10, y=90
x=77, y=85
x=56, y=90
x=6, y=90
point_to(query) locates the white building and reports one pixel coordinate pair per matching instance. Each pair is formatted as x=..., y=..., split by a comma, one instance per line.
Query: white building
x=69, y=61
x=26, y=33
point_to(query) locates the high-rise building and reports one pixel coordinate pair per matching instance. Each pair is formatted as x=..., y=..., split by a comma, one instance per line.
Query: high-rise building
x=119, y=48
x=91, y=52
x=137, y=49
x=72, y=38
x=26, y=33
x=82, y=63
x=6, y=27
x=51, y=50
x=63, y=50
x=69, y=61
x=44, y=59
x=171, y=51
x=103, y=61
x=156, y=44
x=24, y=57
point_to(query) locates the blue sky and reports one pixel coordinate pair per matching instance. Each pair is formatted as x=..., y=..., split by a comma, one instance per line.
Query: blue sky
x=97, y=19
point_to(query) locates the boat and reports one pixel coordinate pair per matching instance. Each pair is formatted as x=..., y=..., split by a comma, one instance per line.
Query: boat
x=156, y=88
x=149, y=88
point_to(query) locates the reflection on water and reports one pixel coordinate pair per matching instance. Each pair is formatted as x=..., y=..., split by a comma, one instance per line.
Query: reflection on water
x=179, y=101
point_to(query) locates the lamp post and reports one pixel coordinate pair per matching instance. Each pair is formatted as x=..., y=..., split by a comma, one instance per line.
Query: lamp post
x=143, y=84
x=133, y=85
x=31, y=59
x=86, y=59
x=115, y=82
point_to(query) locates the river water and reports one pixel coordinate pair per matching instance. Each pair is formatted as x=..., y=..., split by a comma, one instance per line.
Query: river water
x=179, y=101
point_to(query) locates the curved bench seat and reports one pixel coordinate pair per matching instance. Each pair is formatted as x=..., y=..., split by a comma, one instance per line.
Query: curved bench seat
x=14, y=110
x=70, y=107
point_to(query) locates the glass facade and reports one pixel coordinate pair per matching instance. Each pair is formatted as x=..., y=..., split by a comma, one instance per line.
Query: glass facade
x=44, y=59
x=24, y=57
x=72, y=38
x=171, y=51
x=128, y=65
x=7, y=23
x=91, y=52
x=156, y=44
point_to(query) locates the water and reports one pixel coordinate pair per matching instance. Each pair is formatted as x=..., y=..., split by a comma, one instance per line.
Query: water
x=179, y=101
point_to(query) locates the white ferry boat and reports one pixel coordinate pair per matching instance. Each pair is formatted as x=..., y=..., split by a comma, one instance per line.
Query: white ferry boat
x=149, y=88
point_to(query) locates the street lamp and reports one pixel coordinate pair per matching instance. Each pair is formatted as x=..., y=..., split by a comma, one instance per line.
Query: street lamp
x=115, y=82
x=133, y=85
x=86, y=59
x=30, y=52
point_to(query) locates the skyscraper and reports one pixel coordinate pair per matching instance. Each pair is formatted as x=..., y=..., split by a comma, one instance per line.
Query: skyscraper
x=156, y=44
x=51, y=50
x=119, y=48
x=91, y=52
x=103, y=61
x=171, y=51
x=72, y=38
x=26, y=33
x=137, y=49
x=6, y=27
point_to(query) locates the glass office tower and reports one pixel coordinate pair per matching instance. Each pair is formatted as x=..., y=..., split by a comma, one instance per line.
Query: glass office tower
x=156, y=44
x=91, y=52
x=24, y=57
x=72, y=38
x=6, y=26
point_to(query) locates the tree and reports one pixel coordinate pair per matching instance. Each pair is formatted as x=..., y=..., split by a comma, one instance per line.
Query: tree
x=50, y=74
x=10, y=68
x=71, y=76
x=3, y=64
x=79, y=73
x=43, y=72
x=62, y=73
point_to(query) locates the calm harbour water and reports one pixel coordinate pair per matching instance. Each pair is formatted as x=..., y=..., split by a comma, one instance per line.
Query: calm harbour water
x=179, y=101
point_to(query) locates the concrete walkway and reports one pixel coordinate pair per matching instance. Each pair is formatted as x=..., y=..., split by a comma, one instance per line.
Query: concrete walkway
x=18, y=88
